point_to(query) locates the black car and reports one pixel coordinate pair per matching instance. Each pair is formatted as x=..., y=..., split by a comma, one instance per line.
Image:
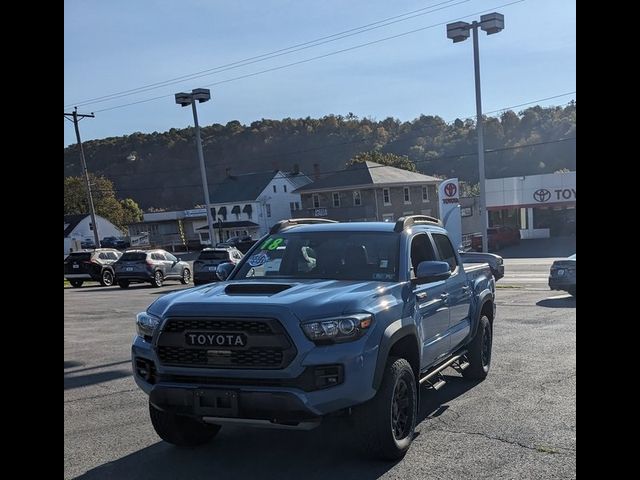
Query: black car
x=114, y=242
x=150, y=266
x=563, y=275
x=204, y=268
x=91, y=265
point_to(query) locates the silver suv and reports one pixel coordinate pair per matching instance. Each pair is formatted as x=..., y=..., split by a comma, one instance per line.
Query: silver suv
x=204, y=268
x=151, y=266
x=89, y=265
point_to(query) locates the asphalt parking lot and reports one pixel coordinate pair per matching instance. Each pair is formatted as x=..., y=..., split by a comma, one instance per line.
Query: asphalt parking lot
x=518, y=423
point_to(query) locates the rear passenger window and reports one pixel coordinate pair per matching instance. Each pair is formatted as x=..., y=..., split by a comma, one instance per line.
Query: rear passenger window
x=103, y=256
x=157, y=256
x=447, y=254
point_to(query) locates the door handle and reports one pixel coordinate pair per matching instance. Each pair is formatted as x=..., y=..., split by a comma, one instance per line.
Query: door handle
x=421, y=295
x=466, y=288
x=444, y=297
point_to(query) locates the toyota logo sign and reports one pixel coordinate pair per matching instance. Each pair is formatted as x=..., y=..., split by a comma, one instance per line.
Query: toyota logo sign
x=542, y=195
x=450, y=189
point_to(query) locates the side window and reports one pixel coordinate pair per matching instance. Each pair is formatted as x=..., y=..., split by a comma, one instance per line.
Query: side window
x=421, y=251
x=158, y=256
x=170, y=257
x=103, y=256
x=112, y=256
x=447, y=254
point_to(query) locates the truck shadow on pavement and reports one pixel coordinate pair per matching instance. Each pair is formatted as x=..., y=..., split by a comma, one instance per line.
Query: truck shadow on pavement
x=328, y=451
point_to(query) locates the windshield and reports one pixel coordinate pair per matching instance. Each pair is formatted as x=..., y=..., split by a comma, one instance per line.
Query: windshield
x=214, y=255
x=330, y=255
x=133, y=256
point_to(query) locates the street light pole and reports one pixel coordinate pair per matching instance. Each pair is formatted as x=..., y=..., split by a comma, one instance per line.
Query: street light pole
x=459, y=32
x=74, y=115
x=184, y=99
x=480, y=131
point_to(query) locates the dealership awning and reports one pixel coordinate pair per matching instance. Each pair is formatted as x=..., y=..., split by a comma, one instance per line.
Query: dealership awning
x=237, y=224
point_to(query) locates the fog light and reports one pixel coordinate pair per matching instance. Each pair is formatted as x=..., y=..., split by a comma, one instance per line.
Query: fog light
x=146, y=370
x=328, y=376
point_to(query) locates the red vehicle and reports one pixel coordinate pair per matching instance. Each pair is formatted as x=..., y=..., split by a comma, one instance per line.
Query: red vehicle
x=498, y=237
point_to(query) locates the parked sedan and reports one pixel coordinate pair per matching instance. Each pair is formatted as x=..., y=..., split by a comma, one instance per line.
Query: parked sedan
x=563, y=275
x=97, y=265
x=204, y=268
x=150, y=266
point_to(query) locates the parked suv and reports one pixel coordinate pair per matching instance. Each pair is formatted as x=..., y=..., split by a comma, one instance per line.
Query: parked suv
x=91, y=265
x=151, y=266
x=319, y=318
x=204, y=268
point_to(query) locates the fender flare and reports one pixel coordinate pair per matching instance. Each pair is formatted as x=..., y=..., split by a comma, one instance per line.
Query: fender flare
x=395, y=332
x=484, y=297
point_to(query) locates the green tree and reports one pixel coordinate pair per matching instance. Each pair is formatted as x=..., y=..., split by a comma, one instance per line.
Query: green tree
x=118, y=212
x=131, y=212
x=390, y=159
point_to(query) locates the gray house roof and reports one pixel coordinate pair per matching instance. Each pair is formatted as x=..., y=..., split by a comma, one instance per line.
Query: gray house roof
x=367, y=174
x=248, y=186
x=71, y=222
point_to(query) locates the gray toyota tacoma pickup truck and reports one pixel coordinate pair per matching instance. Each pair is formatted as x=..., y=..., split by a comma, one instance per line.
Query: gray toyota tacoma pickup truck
x=318, y=318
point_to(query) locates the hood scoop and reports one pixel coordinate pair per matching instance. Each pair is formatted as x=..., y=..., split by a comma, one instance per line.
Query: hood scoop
x=256, y=288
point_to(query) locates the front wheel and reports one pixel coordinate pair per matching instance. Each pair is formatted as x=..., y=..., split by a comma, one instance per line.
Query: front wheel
x=479, y=354
x=386, y=423
x=76, y=283
x=180, y=430
x=186, y=276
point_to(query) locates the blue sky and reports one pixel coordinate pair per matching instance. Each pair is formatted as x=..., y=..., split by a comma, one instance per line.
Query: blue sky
x=119, y=45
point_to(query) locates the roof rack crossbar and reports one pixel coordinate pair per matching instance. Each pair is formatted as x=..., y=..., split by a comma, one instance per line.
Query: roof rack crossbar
x=409, y=220
x=297, y=221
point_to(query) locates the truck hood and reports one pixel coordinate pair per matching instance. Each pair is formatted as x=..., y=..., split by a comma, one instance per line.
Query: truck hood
x=306, y=299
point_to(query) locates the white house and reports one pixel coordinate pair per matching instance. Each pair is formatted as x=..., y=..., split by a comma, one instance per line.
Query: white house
x=79, y=227
x=241, y=205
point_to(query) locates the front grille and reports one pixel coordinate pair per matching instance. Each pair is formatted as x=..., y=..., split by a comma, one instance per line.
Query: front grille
x=253, y=357
x=178, y=325
x=268, y=345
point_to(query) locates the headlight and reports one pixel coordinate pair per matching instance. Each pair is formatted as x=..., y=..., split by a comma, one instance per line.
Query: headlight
x=146, y=324
x=338, y=329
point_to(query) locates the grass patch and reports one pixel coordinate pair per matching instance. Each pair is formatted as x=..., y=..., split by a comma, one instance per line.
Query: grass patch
x=66, y=283
x=543, y=449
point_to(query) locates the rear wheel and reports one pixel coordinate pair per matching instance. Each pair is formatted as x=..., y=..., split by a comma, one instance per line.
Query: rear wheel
x=180, y=430
x=76, y=283
x=479, y=354
x=386, y=423
x=157, y=279
x=106, y=279
x=124, y=283
x=186, y=276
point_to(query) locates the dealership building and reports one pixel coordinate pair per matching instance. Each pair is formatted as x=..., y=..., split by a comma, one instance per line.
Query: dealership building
x=540, y=206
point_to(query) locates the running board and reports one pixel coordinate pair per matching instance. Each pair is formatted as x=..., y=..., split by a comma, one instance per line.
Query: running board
x=250, y=422
x=449, y=363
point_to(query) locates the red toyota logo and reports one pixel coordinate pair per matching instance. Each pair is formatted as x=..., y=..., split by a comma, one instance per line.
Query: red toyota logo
x=450, y=189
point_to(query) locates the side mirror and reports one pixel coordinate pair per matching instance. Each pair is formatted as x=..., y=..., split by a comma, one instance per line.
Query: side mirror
x=430, y=271
x=179, y=259
x=224, y=270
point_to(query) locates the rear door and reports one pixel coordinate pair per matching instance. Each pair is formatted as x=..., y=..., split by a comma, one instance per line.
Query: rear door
x=458, y=292
x=432, y=311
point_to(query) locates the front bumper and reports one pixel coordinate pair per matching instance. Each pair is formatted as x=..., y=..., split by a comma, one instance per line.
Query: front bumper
x=286, y=394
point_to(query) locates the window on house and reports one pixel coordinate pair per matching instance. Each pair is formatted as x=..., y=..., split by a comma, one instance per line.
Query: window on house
x=336, y=199
x=292, y=206
x=357, y=201
x=268, y=207
x=407, y=195
x=386, y=197
x=425, y=193
x=297, y=205
x=316, y=200
x=284, y=187
x=274, y=189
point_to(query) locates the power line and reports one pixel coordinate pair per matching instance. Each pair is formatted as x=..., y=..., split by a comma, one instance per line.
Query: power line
x=324, y=173
x=277, y=53
x=318, y=57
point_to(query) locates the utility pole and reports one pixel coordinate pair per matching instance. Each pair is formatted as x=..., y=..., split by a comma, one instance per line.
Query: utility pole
x=75, y=119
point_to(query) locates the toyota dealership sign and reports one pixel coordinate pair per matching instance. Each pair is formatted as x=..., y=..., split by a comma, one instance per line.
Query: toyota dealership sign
x=553, y=189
